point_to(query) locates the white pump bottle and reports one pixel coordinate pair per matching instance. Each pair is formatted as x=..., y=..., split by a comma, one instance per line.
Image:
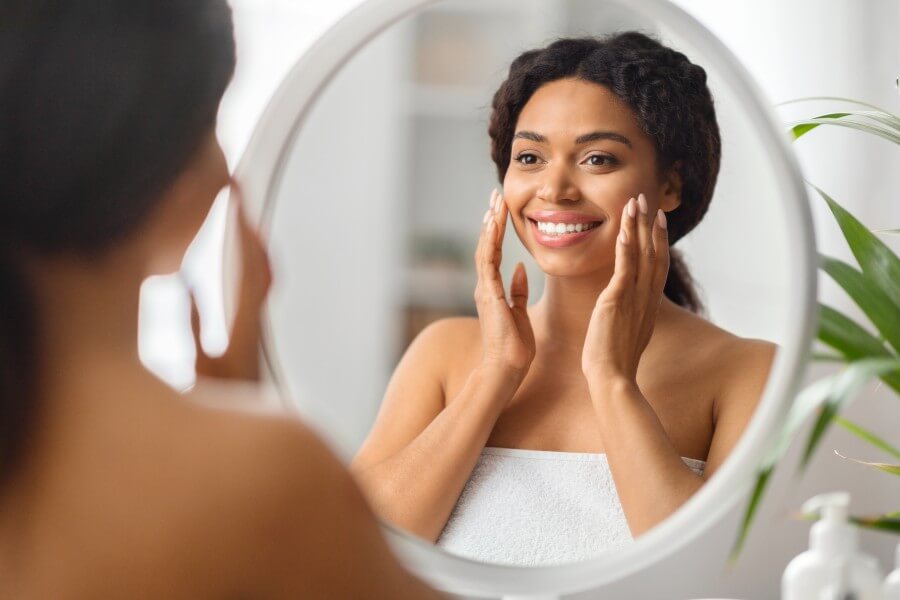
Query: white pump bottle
x=891, y=588
x=833, y=567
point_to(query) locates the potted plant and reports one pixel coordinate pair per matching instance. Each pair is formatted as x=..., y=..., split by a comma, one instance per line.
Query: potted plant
x=863, y=351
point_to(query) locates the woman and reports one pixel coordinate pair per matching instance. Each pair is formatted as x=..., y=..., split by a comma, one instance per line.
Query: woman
x=112, y=485
x=608, y=152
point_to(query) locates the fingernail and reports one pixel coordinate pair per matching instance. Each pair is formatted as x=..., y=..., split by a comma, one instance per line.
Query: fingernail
x=491, y=225
x=623, y=237
x=642, y=203
x=487, y=215
x=493, y=196
x=661, y=218
x=497, y=203
x=631, y=208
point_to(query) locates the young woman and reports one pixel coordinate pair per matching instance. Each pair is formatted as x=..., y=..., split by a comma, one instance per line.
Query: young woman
x=545, y=433
x=112, y=485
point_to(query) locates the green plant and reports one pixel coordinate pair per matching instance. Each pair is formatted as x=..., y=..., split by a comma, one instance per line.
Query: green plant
x=875, y=288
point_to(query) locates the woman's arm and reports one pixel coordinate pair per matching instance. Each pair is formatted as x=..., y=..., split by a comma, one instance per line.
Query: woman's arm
x=420, y=453
x=651, y=478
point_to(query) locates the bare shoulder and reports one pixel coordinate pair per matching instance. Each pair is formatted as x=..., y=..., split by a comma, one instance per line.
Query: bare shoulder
x=286, y=510
x=745, y=364
x=450, y=346
x=737, y=367
x=719, y=347
x=450, y=333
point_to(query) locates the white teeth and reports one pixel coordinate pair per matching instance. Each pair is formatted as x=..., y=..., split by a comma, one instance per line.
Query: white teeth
x=563, y=228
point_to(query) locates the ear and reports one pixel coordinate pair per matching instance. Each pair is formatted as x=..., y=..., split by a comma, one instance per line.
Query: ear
x=670, y=188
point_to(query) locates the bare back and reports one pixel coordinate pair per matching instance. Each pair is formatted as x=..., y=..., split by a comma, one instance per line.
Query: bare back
x=157, y=497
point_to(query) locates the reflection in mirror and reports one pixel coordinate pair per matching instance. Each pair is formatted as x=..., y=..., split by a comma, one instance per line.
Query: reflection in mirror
x=543, y=413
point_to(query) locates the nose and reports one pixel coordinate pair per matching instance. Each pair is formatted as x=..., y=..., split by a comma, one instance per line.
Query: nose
x=557, y=186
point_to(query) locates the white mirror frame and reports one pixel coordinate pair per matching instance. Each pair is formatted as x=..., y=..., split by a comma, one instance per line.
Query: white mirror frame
x=258, y=172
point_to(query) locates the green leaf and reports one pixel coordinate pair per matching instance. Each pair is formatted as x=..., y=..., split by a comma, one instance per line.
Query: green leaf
x=836, y=99
x=801, y=127
x=807, y=401
x=882, y=523
x=889, y=522
x=876, y=260
x=762, y=479
x=886, y=467
x=850, y=339
x=868, y=436
x=873, y=301
x=846, y=336
x=800, y=130
x=845, y=385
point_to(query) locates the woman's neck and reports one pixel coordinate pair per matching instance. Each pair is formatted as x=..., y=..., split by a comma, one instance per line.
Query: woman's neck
x=561, y=317
x=86, y=312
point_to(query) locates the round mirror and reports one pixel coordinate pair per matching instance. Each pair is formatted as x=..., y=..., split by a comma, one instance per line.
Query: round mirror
x=371, y=172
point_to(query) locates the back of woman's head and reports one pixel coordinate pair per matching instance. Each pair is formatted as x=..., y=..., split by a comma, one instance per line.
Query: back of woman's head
x=668, y=96
x=102, y=105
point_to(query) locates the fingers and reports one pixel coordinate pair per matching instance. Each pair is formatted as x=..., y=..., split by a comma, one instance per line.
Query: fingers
x=518, y=288
x=256, y=265
x=661, y=245
x=501, y=212
x=487, y=259
x=626, y=253
x=646, y=253
x=195, y=325
x=203, y=364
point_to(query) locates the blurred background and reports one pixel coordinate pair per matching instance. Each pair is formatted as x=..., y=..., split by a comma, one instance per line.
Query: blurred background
x=393, y=165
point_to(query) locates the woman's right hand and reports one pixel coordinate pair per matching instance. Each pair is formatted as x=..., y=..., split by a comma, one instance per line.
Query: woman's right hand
x=506, y=334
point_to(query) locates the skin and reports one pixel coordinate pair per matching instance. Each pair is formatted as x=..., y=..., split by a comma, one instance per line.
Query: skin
x=132, y=490
x=598, y=364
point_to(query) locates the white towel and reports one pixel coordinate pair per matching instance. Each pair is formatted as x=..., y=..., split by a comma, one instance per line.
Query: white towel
x=535, y=507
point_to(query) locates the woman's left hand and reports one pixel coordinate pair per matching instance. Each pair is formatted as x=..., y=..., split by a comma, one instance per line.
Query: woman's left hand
x=625, y=313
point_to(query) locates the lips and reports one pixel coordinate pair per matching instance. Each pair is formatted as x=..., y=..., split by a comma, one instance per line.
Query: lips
x=569, y=238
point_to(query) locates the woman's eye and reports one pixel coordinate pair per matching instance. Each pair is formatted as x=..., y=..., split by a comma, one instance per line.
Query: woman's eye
x=526, y=158
x=600, y=160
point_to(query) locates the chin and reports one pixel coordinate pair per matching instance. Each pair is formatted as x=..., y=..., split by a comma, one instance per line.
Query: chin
x=559, y=266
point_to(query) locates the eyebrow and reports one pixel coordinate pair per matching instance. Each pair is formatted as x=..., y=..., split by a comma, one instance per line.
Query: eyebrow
x=581, y=139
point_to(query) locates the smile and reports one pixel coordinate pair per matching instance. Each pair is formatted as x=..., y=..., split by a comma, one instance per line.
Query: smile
x=558, y=235
x=563, y=228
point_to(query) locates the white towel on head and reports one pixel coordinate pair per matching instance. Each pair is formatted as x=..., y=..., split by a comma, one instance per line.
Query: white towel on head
x=535, y=507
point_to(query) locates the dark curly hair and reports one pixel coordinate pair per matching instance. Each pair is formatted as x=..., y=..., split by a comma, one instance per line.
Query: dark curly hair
x=670, y=99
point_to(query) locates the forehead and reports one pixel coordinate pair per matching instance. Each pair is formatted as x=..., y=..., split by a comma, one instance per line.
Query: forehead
x=569, y=107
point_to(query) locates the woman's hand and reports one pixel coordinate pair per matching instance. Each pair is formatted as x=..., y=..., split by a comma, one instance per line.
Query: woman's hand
x=506, y=334
x=241, y=359
x=625, y=313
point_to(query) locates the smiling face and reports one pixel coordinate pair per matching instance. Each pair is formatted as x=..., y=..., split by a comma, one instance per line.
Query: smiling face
x=578, y=155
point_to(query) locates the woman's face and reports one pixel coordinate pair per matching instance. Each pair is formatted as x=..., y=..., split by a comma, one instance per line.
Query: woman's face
x=578, y=155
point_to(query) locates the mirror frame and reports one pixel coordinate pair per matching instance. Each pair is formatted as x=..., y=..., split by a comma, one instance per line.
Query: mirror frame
x=259, y=169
